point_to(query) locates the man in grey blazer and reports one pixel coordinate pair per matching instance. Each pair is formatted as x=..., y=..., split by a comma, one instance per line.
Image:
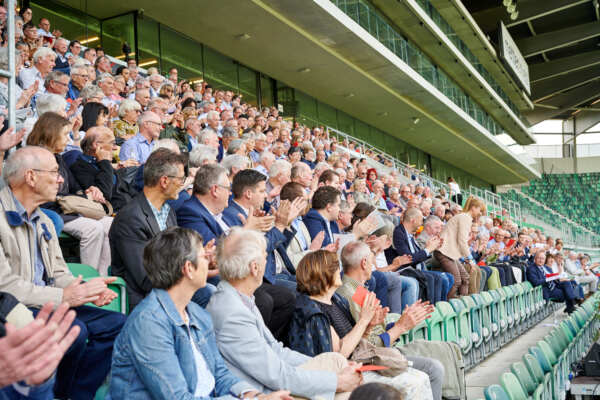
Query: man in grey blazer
x=248, y=347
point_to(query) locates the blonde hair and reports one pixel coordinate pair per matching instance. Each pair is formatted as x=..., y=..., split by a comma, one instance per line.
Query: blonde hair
x=473, y=202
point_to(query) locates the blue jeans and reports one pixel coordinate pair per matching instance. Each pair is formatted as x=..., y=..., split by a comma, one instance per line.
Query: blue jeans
x=87, y=362
x=410, y=290
x=41, y=392
x=286, y=280
x=447, y=281
x=378, y=284
x=394, y=282
x=203, y=295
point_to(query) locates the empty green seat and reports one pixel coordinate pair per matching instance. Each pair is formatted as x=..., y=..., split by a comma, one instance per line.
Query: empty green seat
x=528, y=383
x=512, y=386
x=495, y=392
x=464, y=330
x=450, y=321
x=435, y=326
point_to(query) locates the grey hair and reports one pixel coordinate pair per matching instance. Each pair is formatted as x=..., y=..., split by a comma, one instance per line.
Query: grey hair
x=353, y=253
x=228, y=131
x=104, y=77
x=387, y=229
x=170, y=144
x=212, y=115
x=153, y=76
x=50, y=102
x=77, y=67
x=204, y=135
x=265, y=155
x=53, y=76
x=235, y=145
x=19, y=161
x=166, y=254
x=237, y=251
x=278, y=167
x=128, y=105
x=41, y=53
x=4, y=57
x=432, y=219
x=207, y=176
x=90, y=91
x=234, y=161
x=200, y=154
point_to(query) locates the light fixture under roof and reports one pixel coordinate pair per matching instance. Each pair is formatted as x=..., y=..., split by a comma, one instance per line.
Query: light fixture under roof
x=348, y=95
x=304, y=70
x=383, y=114
x=416, y=120
x=244, y=36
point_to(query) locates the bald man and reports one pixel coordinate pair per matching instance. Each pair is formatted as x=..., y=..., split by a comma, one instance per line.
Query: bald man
x=33, y=270
x=94, y=168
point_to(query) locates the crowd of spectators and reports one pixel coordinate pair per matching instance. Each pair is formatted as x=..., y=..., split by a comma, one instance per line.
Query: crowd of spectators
x=243, y=238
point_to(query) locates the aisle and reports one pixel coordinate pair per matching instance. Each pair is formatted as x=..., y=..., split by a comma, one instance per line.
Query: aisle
x=488, y=372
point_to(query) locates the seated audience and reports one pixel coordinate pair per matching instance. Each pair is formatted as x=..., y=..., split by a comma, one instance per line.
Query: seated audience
x=179, y=358
x=142, y=219
x=539, y=274
x=322, y=321
x=323, y=214
x=40, y=274
x=245, y=342
x=140, y=146
x=357, y=260
x=51, y=131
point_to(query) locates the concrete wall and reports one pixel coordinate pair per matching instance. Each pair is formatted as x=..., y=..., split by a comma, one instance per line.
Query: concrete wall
x=565, y=165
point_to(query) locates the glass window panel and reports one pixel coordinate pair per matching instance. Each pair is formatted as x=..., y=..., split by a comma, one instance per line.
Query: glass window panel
x=345, y=123
x=266, y=91
x=219, y=70
x=180, y=52
x=148, y=49
x=247, y=84
x=115, y=32
x=74, y=24
x=307, y=106
x=327, y=115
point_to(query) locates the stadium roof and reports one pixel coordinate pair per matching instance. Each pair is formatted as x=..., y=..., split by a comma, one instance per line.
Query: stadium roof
x=560, y=41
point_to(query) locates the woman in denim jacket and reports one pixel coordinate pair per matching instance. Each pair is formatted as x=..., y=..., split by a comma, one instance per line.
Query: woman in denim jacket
x=167, y=348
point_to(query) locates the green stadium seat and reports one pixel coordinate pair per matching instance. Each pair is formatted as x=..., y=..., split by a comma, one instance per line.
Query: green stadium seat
x=450, y=321
x=476, y=327
x=536, y=372
x=464, y=331
x=120, y=304
x=435, y=326
x=512, y=386
x=486, y=322
x=495, y=392
x=494, y=319
x=528, y=383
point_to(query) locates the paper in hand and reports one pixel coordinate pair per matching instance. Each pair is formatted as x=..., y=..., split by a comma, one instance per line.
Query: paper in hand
x=359, y=296
x=371, y=368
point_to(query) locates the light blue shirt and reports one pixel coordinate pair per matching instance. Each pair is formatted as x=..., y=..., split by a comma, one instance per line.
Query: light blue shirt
x=137, y=148
x=296, y=225
x=161, y=215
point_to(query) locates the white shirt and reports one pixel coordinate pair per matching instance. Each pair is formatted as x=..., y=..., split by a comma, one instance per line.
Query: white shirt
x=222, y=224
x=206, y=380
x=29, y=75
x=454, y=188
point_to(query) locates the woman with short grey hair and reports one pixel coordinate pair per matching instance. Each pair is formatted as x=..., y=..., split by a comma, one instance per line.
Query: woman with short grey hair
x=126, y=127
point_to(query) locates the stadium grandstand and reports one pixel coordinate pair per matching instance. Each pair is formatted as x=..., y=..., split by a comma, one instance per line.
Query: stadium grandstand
x=309, y=199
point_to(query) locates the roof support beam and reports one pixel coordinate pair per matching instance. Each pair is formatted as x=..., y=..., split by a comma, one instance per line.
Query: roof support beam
x=549, y=87
x=585, y=120
x=532, y=46
x=561, y=66
x=528, y=10
x=564, y=102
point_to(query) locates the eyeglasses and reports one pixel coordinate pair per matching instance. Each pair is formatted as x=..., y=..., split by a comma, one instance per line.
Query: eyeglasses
x=155, y=123
x=48, y=171
x=179, y=178
x=61, y=83
x=228, y=187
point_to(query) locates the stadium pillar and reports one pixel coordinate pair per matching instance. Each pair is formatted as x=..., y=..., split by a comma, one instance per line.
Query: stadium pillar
x=569, y=140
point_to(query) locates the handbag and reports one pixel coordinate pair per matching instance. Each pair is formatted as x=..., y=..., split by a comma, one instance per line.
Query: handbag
x=368, y=353
x=84, y=207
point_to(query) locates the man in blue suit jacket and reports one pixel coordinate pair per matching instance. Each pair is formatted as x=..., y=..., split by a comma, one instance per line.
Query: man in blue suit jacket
x=405, y=243
x=554, y=289
x=203, y=212
x=323, y=214
x=249, y=193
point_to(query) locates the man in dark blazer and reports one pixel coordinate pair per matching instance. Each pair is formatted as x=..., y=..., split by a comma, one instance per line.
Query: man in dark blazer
x=142, y=219
x=324, y=213
x=405, y=243
x=555, y=289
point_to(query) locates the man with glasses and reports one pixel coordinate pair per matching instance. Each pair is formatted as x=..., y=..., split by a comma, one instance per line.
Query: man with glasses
x=79, y=78
x=62, y=62
x=143, y=218
x=140, y=146
x=34, y=271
